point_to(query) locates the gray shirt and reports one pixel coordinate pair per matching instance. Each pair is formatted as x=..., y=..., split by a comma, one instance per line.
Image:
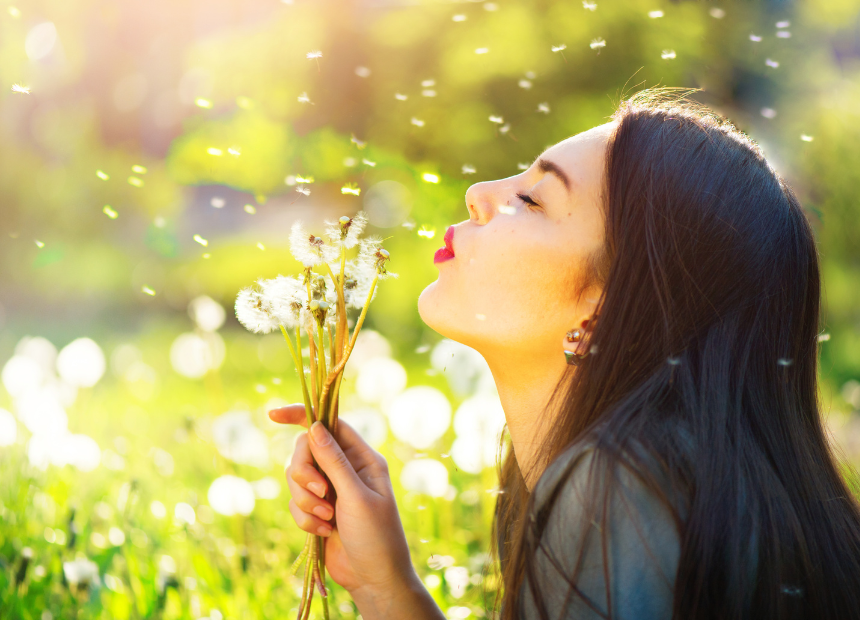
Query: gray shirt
x=642, y=547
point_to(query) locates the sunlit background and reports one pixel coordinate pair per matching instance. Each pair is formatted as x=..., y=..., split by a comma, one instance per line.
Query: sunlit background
x=153, y=155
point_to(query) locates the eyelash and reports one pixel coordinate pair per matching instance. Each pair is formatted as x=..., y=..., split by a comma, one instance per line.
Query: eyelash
x=528, y=200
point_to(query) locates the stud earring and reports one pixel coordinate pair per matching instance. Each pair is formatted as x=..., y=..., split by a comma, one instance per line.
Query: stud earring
x=575, y=359
x=574, y=335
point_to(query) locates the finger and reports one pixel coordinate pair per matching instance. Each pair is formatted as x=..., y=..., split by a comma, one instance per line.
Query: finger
x=290, y=414
x=312, y=504
x=307, y=522
x=333, y=461
x=306, y=475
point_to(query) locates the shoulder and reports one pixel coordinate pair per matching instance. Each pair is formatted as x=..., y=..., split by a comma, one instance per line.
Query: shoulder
x=603, y=523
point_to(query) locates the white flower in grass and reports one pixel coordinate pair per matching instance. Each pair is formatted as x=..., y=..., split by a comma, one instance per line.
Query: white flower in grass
x=255, y=311
x=81, y=571
x=231, y=495
x=346, y=230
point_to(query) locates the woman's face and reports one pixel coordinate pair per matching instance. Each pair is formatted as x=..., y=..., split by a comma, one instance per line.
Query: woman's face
x=512, y=286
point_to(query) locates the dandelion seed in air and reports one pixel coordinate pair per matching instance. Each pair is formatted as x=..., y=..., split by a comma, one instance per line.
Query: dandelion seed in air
x=138, y=169
x=147, y=291
x=505, y=128
x=426, y=233
x=496, y=119
x=468, y=169
x=201, y=240
x=401, y=97
x=367, y=162
x=784, y=361
x=135, y=181
x=526, y=84
x=589, y=6
x=559, y=48
x=482, y=50
x=315, y=55
x=38, y=243
x=755, y=38
x=427, y=92
x=301, y=179
x=359, y=143
x=218, y=202
x=823, y=337
x=522, y=166
x=350, y=188
x=783, y=34
x=362, y=72
x=597, y=43
x=417, y=122
x=459, y=17
x=350, y=162
x=655, y=14
x=261, y=246
x=428, y=83
x=14, y=12
x=235, y=151
x=717, y=13
x=17, y=88
x=784, y=24
x=673, y=361
x=110, y=212
x=507, y=210
x=768, y=112
x=205, y=255
x=200, y=102
x=771, y=63
x=303, y=190
x=429, y=177
x=213, y=151
x=102, y=175
x=667, y=54
x=249, y=209
x=543, y=108
x=491, y=6
x=303, y=98
x=806, y=138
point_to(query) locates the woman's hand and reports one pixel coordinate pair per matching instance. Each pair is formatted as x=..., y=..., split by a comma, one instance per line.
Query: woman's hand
x=366, y=550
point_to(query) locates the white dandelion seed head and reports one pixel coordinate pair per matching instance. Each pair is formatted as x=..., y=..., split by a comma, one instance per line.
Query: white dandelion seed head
x=254, y=310
x=286, y=295
x=306, y=248
x=346, y=233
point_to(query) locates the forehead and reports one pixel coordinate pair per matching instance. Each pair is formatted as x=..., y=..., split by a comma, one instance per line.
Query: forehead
x=582, y=156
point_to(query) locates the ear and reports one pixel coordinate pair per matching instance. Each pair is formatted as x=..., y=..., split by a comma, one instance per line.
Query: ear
x=584, y=320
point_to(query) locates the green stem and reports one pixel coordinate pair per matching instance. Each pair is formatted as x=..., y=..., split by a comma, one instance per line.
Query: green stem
x=340, y=365
x=300, y=368
x=323, y=369
x=304, y=553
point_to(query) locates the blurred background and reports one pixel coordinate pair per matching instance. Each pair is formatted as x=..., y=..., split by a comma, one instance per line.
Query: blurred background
x=153, y=155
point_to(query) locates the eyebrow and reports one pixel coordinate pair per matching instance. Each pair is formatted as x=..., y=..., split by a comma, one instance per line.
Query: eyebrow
x=545, y=165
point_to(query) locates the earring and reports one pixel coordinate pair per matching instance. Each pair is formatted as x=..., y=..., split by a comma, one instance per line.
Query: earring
x=573, y=358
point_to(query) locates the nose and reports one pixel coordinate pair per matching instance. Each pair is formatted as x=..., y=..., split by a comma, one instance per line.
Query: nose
x=480, y=203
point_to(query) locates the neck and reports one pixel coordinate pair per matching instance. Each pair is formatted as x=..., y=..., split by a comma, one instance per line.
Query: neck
x=524, y=390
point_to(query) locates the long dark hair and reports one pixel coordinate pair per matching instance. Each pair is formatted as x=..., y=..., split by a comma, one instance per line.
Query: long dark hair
x=708, y=320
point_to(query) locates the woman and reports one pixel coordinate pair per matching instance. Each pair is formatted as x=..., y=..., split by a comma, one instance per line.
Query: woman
x=676, y=466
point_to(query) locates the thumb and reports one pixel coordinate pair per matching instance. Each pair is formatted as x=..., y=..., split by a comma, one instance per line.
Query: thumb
x=332, y=460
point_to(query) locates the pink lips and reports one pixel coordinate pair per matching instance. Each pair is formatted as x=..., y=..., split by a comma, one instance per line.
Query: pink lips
x=446, y=253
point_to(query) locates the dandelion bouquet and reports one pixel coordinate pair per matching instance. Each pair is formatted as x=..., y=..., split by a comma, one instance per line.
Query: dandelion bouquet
x=317, y=303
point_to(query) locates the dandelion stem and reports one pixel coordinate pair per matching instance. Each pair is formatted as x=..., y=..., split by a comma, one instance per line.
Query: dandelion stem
x=337, y=369
x=314, y=374
x=310, y=571
x=304, y=553
x=323, y=369
x=301, y=369
x=305, y=585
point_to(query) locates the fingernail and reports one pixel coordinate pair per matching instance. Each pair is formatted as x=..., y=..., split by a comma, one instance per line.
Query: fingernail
x=317, y=488
x=324, y=530
x=322, y=512
x=320, y=434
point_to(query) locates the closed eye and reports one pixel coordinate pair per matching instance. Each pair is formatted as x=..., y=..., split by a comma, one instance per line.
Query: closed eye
x=528, y=200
